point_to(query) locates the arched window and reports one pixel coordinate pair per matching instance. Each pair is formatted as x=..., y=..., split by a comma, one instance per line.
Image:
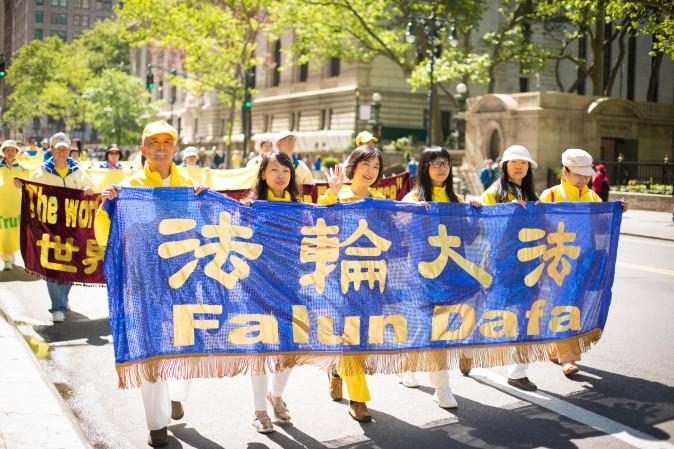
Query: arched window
x=494, y=145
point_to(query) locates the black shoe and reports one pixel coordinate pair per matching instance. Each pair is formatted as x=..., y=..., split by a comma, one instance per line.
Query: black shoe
x=158, y=438
x=177, y=411
x=523, y=384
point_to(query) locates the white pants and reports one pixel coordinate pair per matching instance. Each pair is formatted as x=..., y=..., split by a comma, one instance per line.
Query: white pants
x=261, y=386
x=157, y=399
x=518, y=371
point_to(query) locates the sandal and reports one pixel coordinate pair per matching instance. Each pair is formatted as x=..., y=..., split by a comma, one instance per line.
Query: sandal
x=569, y=369
x=280, y=409
x=262, y=423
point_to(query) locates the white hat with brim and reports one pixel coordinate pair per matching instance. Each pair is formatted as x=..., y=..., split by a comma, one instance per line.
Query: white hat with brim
x=365, y=137
x=518, y=153
x=60, y=140
x=283, y=134
x=9, y=144
x=159, y=127
x=190, y=151
x=578, y=161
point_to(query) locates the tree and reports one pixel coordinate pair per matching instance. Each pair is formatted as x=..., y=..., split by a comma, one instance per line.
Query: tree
x=118, y=106
x=216, y=38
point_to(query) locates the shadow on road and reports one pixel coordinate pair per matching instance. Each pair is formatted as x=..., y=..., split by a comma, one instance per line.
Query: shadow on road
x=191, y=437
x=17, y=274
x=77, y=327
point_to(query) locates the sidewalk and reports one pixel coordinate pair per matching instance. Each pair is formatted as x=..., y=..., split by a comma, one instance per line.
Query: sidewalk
x=32, y=414
x=645, y=223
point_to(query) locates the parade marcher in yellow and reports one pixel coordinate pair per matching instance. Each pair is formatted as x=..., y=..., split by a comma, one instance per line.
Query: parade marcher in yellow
x=365, y=138
x=285, y=142
x=275, y=182
x=33, y=156
x=162, y=400
x=514, y=184
x=10, y=168
x=266, y=146
x=62, y=171
x=434, y=182
x=364, y=168
x=576, y=174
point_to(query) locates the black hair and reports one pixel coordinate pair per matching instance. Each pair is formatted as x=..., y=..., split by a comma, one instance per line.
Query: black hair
x=259, y=192
x=424, y=184
x=504, y=186
x=364, y=152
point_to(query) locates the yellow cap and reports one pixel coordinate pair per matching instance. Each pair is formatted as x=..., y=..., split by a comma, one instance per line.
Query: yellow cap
x=365, y=137
x=159, y=127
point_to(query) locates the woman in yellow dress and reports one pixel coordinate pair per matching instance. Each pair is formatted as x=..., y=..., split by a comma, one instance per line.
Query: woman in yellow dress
x=364, y=168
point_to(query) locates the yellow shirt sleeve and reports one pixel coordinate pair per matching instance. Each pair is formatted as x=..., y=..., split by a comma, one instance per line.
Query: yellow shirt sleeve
x=546, y=196
x=328, y=198
x=488, y=198
x=102, y=226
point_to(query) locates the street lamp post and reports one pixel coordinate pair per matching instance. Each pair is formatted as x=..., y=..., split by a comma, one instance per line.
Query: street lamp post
x=433, y=27
x=375, y=122
x=460, y=123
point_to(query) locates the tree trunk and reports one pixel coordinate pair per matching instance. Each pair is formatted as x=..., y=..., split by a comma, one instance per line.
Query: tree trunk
x=656, y=62
x=230, y=128
x=598, y=52
x=436, y=138
x=618, y=62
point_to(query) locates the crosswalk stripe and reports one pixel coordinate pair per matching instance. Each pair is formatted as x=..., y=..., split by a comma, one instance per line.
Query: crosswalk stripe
x=603, y=424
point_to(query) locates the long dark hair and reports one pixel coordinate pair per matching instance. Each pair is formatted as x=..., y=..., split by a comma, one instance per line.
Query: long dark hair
x=364, y=152
x=503, y=185
x=424, y=184
x=261, y=188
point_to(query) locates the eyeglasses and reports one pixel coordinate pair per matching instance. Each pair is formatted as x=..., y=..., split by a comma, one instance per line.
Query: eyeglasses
x=440, y=164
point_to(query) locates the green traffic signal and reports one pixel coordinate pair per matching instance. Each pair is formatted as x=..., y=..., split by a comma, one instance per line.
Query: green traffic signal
x=2, y=73
x=247, y=103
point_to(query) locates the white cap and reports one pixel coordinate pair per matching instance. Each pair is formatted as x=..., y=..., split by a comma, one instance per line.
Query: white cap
x=283, y=134
x=60, y=140
x=9, y=144
x=578, y=161
x=190, y=151
x=518, y=153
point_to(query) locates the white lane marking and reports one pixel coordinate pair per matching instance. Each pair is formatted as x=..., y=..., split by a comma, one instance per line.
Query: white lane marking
x=616, y=430
x=647, y=241
x=645, y=268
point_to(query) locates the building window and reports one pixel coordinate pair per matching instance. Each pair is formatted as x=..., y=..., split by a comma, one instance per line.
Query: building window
x=39, y=2
x=62, y=34
x=76, y=20
x=195, y=130
x=39, y=17
x=38, y=33
x=276, y=77
x=76, y=34
x=292, y=121
x=103, y=4
x=631, y=66
x=335, y=66
x=85, y=21
x=524, y=84
x=265, y=123
x=330, y=118
x=59, y=19
x=60, y=3
x=81, y=4
x=304, y=72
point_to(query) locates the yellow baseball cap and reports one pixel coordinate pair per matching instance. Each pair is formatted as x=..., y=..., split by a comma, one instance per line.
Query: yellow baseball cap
x=365, y=137
x=159, y=127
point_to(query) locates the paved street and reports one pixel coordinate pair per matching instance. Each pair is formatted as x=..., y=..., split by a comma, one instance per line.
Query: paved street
x=623, y=398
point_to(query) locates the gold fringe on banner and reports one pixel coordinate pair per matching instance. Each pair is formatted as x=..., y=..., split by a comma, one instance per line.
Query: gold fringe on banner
x=43, y=277
x=194, y=366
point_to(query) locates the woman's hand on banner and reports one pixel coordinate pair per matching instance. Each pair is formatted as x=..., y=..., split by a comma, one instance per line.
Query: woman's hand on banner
x=475, y=203
x=623, y=204
x=89, y=191
x=110, y=192
x=200, y=188
x=336, y=178
x=18, y=183
x=521, y=203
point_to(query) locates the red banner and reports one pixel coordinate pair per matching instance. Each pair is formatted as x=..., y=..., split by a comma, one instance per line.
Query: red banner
x=57, y=234
x=393, y=187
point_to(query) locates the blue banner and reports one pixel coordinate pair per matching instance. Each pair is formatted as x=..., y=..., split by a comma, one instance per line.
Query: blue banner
x=201, y=286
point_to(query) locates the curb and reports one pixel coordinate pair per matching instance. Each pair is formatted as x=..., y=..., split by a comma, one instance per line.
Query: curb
x=654, y=237
x=41, y=347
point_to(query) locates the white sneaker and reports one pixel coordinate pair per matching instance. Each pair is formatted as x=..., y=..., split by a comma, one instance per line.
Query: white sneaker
x=58, y=316
x=445, y=398
x=8, y=266
x=410, y=380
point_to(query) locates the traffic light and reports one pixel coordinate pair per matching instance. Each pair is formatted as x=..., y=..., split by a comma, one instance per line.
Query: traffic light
x=149, y=78
x=2, y=67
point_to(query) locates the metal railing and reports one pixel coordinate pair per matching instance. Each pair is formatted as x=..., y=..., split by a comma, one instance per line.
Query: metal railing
x=640, y=172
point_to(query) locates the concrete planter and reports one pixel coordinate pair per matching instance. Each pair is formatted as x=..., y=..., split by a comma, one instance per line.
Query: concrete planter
x=645, y=201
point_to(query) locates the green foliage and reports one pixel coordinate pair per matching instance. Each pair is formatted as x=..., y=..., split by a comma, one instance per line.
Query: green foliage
x=658, y=189
x=119, y=107
x=329, y=162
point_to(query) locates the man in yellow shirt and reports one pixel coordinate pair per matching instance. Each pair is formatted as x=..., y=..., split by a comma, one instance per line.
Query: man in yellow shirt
x=162, y=400
x=285, y=142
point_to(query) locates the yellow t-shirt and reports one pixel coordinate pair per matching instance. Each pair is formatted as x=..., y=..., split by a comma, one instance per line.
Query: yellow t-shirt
x=439, y=196
x=568, y=192
x=346, y=195
x=272, y=197
x=63, y=172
